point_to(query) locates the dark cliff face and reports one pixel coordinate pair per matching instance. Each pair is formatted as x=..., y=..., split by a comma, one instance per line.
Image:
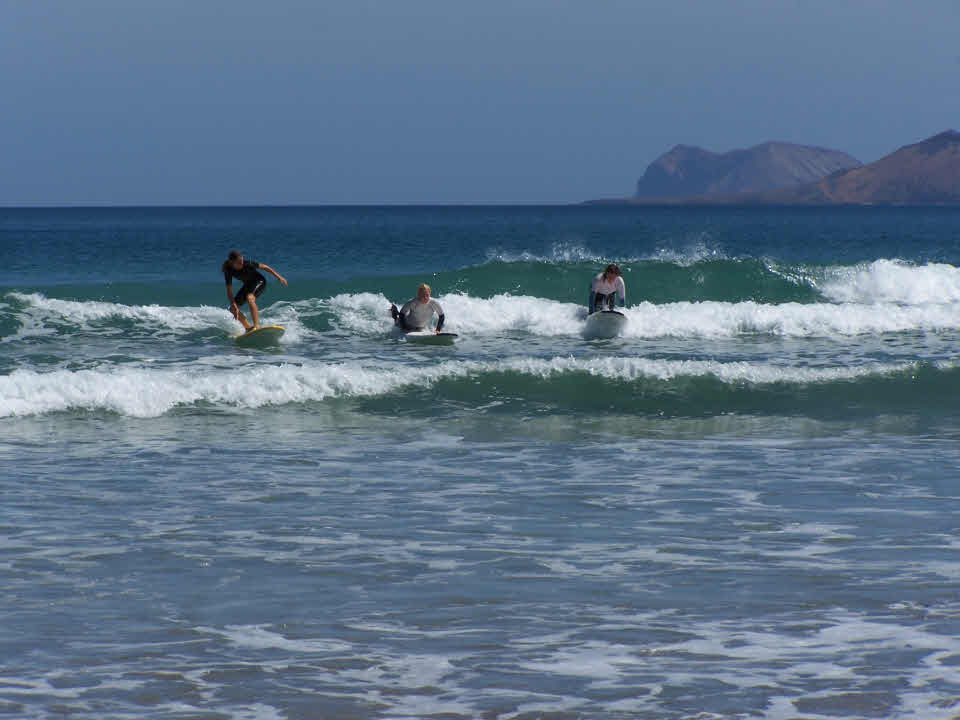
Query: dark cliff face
x=685, y=170
x=688, y=171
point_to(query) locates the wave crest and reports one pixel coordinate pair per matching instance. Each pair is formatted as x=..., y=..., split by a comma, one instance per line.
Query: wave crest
x=151, y=392
x=893, y=281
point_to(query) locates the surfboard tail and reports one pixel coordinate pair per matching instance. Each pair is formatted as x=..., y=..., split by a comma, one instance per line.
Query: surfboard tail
x=262, y=336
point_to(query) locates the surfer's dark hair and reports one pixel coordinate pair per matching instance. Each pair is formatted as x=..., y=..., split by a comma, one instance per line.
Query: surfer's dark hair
x=612, y=269
x=234, y=254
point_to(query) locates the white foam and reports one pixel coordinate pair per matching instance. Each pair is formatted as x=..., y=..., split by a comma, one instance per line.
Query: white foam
x=41, y=312
x=367, y=313
x=598, y=660
x=150, y=392
x=512, y=313
x=259, y=638
x=885, y=296
x=718, y=319
x=893, y=281
x=89, y=311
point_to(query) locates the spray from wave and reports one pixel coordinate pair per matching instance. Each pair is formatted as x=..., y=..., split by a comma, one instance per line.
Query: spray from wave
x=695, y=250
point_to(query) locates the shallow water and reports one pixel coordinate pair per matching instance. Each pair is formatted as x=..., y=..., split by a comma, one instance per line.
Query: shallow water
x=746, y=506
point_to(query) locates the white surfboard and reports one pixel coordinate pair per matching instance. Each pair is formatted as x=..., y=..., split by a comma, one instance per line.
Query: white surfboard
x=429, y=337
x=261, y=337
x=604, y=325
x=423, y=337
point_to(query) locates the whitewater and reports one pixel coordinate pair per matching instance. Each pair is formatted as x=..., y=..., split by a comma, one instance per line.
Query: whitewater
x=882, y=298
x=744, y=506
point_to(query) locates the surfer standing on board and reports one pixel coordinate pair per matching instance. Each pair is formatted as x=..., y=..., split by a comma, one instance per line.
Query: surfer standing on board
x=254, y=283
x=605, y=287
x=417, y=312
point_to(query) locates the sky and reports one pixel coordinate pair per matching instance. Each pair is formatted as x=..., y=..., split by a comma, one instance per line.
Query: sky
x=127, y=102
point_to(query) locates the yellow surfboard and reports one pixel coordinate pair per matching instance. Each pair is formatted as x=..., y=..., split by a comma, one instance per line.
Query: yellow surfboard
x=261, y=337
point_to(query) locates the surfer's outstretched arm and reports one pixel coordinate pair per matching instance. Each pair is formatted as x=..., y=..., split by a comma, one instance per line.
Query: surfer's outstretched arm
x=235, y=309
x=278, y=276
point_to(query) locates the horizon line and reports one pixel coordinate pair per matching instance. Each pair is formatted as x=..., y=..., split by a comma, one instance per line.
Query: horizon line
x=80, y=205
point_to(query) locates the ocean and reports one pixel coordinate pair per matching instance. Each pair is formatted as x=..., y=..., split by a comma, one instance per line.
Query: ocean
x=746, y=506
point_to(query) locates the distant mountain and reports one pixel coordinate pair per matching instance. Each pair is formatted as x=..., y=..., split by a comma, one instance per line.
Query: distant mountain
x=687, y=171
x=925, y=173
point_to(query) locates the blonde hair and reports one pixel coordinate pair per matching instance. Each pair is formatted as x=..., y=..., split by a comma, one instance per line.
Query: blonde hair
x=423, y=288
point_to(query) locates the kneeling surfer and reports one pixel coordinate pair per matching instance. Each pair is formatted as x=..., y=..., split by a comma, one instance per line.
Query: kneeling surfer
x=254, y=283
x=604, y=289
x=417, y=312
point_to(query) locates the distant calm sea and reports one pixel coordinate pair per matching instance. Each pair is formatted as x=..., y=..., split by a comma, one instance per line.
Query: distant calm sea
x=746, y=507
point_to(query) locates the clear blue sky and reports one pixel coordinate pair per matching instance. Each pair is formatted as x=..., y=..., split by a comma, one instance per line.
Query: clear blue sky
x=410, y=101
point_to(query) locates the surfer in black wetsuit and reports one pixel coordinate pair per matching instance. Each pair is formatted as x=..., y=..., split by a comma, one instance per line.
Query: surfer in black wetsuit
x=254, y=283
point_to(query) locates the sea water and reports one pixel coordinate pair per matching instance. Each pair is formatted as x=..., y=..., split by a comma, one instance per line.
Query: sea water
x=746, y=506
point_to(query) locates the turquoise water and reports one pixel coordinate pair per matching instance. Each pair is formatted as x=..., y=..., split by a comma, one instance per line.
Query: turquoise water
x=744, y=506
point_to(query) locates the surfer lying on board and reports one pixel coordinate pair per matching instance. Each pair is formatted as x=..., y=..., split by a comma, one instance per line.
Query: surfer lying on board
x=417, y=312
x=254, y=283
x=604, y=289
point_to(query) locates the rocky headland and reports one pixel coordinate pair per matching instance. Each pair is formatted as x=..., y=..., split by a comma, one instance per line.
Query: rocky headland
x=924, y=173
x=687, y=171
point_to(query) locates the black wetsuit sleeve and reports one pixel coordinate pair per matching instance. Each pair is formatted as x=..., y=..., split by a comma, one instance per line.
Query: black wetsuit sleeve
x=248, y=274
x=440, y=323
x=399, y=319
